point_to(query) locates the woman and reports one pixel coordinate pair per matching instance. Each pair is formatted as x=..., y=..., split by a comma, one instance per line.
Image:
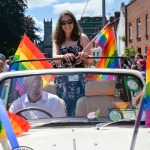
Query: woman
x=71, y=44
x=141, y=65
x=138, y=56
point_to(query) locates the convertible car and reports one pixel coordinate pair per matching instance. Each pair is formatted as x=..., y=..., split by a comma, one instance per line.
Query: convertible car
x=96, y=109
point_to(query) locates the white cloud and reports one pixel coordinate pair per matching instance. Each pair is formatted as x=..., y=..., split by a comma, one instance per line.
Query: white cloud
x=39, y=3
x=40, y=25
x=93, y=8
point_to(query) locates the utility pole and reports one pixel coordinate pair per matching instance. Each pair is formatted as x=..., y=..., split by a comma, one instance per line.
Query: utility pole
x=103, y=14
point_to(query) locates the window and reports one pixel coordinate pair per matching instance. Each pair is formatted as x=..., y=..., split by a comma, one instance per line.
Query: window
x=130, y=31
x=146, y=50
x=147, y=25
x=139, y=50
x=97, y=54
x=138, y=28
x=93, y=53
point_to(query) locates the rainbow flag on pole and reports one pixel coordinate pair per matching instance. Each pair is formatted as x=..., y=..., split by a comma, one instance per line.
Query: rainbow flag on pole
x=144, y=103
x=145, y=100
x=28, y=51
x=106, y=39
x=147, y=90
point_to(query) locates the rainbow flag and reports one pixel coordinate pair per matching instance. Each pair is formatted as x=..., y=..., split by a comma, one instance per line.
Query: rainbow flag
x=147, y=90
x=106, y=39
x=144, y=103
x=28, y=51
x=19, y=124
x=6, y=127
x=145, y=100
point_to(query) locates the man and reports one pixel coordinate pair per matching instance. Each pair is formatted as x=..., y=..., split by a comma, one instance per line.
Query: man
x=3, y=58
x=36, y=97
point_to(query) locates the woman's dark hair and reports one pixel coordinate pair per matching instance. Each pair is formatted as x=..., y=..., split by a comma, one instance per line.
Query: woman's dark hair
x=139, y=55
x=59, y=35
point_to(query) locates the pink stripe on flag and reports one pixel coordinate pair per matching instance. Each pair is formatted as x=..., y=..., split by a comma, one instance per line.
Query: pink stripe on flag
x=147, y=123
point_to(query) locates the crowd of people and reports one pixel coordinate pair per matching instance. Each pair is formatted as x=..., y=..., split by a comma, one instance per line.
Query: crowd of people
x=135, y=62
x=5, y=63
x=138, y=62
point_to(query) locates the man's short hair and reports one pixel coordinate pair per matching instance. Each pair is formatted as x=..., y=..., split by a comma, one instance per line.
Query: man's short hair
x=28, y=80
x=2, y=57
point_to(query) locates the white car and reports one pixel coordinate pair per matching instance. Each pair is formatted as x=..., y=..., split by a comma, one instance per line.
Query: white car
x=100, y=108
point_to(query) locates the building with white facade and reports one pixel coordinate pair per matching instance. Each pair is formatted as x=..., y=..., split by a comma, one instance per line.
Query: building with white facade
x=120, y=33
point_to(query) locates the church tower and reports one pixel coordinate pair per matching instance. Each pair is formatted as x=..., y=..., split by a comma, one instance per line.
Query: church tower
x=48, y=37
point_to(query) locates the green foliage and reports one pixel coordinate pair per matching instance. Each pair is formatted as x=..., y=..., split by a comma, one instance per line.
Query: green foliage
x=130, y=51
x=97, y=113
x=123, y=38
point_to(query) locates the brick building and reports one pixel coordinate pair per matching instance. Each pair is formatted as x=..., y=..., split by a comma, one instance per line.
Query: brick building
x=138, y=25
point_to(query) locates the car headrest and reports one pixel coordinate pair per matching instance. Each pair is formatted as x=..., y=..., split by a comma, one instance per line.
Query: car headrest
x=100, y=87
x=51, y=88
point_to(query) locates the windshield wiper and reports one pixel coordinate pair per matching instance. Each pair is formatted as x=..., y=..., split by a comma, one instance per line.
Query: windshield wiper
x=40, y=123
x=98, y=126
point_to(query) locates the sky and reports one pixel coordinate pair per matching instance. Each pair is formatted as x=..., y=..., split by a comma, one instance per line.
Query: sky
x=50, y=9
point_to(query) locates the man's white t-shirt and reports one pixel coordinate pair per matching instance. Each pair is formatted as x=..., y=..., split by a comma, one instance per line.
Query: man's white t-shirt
x=48, y=102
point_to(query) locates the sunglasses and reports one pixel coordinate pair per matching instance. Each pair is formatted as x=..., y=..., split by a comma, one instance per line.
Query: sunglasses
x=64, y=22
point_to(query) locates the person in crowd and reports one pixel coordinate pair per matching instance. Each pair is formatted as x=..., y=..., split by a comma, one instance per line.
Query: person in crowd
x=145, y=56
x=3, y=58
x=134, y=67
x=1, y=66
x=7, y=63
x=11, y=58
x=141, y=65
x=69, y=41
x=1, y=70
x=72, y=45
x=133, y=62
x=125, y=63
x=138, y=56
x=36, y=97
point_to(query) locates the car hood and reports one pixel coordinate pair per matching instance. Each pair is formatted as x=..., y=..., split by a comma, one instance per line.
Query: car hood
x=88, y=138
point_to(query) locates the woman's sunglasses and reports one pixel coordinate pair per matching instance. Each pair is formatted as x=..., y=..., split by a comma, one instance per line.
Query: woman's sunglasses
x=64, y=22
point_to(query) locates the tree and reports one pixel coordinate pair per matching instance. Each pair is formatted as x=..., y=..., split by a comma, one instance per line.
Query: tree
x=13, y=25
x=130, y=51
x=30, y=29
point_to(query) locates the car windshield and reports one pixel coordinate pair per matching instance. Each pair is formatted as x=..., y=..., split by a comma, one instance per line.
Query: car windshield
x=103, y=96
x=73, y=97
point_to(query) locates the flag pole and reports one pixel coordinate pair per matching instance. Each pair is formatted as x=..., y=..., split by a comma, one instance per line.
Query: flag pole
x=138, y=120
x=99, y=32
x=94, y=37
